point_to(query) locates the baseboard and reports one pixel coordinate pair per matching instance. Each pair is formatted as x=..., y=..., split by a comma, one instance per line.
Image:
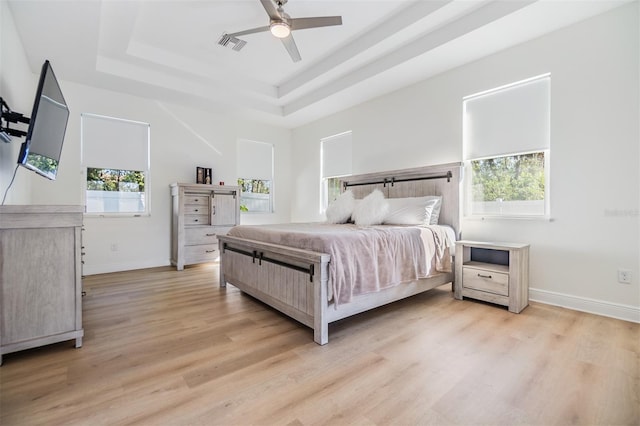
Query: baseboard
x=583, y=304
x=106, y=268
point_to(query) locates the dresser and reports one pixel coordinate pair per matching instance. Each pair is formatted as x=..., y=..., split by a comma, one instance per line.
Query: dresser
x=40, y=276
x=493, y=272
x=200, y=214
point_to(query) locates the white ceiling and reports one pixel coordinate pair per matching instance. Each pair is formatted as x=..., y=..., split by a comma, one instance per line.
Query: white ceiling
x=167, y=49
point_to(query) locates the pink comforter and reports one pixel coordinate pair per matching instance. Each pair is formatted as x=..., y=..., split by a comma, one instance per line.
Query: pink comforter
x=363, y=260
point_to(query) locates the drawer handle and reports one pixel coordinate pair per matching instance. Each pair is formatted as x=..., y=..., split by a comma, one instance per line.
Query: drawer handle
x=196, y=200
x=209, y=251
x=196, y=210
x=195, y=220
x=484, y=276
x=211, y=235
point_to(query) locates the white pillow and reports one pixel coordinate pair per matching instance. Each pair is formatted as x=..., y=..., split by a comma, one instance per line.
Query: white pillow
x=410, y=211
x=340, y=210
x=371, y=210
x=435, y=215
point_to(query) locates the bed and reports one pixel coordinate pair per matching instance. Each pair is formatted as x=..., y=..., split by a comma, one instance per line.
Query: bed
x=298, y=278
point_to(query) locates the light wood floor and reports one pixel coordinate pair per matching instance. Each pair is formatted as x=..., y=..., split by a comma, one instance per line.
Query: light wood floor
x=170, y=348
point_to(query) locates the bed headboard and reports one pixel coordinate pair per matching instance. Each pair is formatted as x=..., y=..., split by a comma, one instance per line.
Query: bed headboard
x=443, y=180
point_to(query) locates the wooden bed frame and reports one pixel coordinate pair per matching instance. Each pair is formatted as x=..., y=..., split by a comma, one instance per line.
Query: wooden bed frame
x=294, y=281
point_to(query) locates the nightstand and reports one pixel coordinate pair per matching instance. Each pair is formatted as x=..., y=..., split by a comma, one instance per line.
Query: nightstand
x=493, y=272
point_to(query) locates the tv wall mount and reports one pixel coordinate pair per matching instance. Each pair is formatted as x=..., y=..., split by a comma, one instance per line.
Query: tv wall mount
x=6, y=118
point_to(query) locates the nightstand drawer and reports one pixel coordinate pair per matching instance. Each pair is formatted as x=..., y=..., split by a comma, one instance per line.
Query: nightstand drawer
x=201, y=253
x=483, y=280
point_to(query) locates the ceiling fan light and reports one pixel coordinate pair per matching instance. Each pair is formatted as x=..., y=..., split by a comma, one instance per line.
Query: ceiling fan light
x=280, y=29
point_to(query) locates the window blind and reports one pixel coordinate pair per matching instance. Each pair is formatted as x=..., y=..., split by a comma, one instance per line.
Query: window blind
x=336, y=155
x=113, y=143
x=512, y=119
x=255, y=160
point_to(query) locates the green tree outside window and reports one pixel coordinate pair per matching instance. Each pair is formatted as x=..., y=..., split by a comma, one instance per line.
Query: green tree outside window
x=509, y=178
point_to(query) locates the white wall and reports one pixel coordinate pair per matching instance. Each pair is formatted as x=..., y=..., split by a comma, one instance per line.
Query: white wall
x=595, y=158
x=17, y=87
x=181, y=139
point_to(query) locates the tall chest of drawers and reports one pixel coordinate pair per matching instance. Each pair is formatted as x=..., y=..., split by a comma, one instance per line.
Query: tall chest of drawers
x=200, y=214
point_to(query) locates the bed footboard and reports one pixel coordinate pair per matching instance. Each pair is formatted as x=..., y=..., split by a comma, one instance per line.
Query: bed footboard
x=291, y=280
x=295, y=281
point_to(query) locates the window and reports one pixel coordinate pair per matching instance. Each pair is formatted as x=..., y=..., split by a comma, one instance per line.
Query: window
x=332, y=186
x=255, y=171
x=506, y=150
x=509, y=185
x=255, y=195
x=336, y=163
x=115, y=160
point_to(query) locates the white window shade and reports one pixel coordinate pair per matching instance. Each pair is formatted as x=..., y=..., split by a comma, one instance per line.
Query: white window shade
x=114, y=143
x=255, y=160
x=336, y=155
x=508, y=120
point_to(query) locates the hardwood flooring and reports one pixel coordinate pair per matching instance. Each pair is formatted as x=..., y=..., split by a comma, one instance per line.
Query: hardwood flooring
x=163, y=347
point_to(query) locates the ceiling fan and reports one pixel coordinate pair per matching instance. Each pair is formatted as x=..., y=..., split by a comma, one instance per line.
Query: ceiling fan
x=281, y=25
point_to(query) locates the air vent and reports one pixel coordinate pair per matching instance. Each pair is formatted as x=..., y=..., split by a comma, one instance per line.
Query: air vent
x=236, y=43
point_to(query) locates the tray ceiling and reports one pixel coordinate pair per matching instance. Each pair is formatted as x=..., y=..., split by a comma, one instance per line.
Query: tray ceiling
x=168, y=51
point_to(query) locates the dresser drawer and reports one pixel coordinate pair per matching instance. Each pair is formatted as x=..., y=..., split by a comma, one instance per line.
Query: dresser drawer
x=196, y=199
x=203, y=234
x=196, y=219
x=197, y=209
x=201, y=253
x=483, y=280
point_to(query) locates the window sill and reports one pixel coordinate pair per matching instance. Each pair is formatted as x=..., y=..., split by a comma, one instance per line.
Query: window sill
x=526, y=218
x=114, y=215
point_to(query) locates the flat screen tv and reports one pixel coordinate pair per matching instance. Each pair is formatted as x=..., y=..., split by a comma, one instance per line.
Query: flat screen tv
x=41, y=149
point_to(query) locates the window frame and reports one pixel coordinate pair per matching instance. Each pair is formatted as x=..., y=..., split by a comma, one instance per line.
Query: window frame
x=324, y=180
x=499, y=151
x=468, y=189
x=271, y=179
x=325, y=191
x=85, y=165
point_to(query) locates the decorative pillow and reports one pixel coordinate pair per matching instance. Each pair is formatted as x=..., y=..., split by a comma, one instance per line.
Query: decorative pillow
x=340, y=210
x=371, y=210
x=411, y=211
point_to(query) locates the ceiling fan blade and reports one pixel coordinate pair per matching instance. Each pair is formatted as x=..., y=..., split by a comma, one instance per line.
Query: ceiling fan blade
x=271, y=9
x=320, y=21
x=251, y=31
x=291, y=47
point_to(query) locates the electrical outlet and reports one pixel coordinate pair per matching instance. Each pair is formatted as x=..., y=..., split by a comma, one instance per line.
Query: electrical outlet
x=624, y=276
x=114, y=247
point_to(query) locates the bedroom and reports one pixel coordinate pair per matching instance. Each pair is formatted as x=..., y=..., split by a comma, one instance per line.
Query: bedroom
x=574, y=258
